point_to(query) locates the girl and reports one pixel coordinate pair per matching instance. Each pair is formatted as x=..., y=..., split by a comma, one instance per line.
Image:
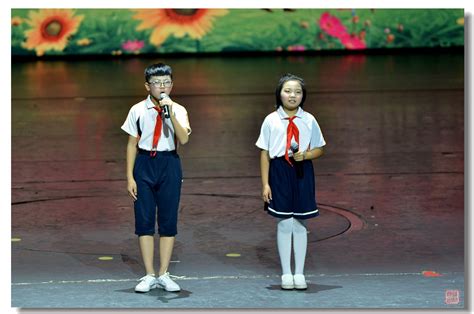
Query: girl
x=289, y=139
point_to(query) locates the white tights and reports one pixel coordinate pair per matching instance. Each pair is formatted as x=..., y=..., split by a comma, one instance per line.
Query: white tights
x=285, y=229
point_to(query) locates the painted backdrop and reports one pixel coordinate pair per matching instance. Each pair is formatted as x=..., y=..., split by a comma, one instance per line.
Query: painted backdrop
x=139, y=31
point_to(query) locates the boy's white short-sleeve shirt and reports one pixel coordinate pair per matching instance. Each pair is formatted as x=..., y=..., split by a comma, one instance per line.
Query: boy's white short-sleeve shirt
x=141, y=121
x=273, y=132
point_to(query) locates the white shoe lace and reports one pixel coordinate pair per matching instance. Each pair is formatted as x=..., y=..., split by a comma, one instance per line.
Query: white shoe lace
x=147, y=278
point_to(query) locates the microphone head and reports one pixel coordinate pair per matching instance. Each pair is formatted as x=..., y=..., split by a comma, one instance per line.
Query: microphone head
x=163, y=96
x=294, y=147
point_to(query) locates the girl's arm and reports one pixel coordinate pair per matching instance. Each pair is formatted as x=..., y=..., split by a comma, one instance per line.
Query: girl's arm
x=264, y=169
x=309, y=155
x=313, y=154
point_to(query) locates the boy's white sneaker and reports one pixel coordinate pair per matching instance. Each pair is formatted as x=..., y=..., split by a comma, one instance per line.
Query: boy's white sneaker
x=287, y=282
x=165, y=282
x=146, y=283
x=300, y=282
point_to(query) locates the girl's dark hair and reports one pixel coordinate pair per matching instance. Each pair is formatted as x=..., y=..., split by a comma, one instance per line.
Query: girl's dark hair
x=158, y=69
x=285, y=78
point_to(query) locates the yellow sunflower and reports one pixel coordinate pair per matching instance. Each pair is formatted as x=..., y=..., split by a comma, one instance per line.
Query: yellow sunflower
x=50, y=29
x=178, y=22
x=16, y=20
x=83, y=42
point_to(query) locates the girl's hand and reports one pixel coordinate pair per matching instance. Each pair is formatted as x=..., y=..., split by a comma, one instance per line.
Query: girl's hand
x=298, y=156
x=266, y=193
x=132, y=189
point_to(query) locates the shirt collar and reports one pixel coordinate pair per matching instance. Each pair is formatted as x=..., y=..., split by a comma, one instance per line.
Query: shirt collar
x=284, y=115
x=149, y=103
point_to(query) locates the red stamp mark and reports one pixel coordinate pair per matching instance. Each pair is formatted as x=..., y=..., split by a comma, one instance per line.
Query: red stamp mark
x=451, y=297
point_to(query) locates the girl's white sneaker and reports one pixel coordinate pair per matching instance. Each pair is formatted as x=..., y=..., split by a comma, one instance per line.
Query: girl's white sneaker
x=287, y=282
x=300, y=282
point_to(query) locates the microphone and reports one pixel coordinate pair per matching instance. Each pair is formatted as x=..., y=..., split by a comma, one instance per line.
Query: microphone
x=298, y=165
x=294, y=147
x=166, y=110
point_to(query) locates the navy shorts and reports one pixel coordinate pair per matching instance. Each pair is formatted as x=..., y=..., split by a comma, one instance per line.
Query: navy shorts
x=293, y=189
x=159, y=189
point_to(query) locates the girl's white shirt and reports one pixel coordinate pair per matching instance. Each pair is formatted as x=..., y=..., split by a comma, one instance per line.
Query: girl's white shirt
x=273, y=132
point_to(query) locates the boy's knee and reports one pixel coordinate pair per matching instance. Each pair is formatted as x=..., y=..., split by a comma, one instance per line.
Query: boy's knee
x=167, y=231
x=142, y=232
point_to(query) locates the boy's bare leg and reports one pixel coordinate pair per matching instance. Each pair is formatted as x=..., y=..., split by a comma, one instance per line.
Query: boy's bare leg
x=147, y=250
x=166, y=249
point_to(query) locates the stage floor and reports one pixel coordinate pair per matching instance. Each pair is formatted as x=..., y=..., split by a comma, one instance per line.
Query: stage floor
x=390, y=185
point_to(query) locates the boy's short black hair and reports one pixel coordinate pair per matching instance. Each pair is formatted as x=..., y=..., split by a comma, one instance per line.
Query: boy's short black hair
x=285, y=78
x=158, y=69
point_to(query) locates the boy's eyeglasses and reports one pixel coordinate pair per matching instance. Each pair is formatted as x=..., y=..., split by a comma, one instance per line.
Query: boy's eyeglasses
x=159, y=83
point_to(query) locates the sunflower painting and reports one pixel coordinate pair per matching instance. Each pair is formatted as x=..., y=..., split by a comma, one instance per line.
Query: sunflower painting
x=50, y=29
x=119, y=32
x=177, y=22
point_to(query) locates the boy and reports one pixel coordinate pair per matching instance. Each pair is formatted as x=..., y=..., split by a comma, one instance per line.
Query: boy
x=154, y=171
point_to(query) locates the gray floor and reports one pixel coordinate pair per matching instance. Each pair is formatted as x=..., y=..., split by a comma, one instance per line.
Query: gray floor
x=390, y=186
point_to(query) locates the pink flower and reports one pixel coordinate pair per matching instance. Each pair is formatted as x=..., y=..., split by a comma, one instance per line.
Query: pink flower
x=332, y=25
x=296, y=48
x=352, y=42
x=133, y=45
